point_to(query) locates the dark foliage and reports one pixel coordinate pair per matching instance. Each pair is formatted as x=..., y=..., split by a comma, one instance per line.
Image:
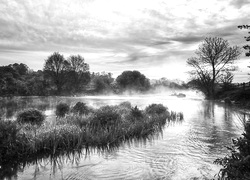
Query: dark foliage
x=62, y=109
x=80, y=108
x=156, y=109
x=8, y=139
x=102, y=82
x=136, y=113
x=32, y=116
x=105, y=116
x=236, y=165
x=133, y=80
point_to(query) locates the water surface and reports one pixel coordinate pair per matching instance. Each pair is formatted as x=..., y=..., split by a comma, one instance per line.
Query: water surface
x=185, y=150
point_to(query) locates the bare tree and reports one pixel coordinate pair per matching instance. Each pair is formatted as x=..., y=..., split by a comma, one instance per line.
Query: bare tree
x=213, y=57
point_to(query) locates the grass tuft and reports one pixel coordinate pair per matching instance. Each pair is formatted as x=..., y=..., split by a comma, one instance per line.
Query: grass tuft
x=32, y=116
x=62, y=109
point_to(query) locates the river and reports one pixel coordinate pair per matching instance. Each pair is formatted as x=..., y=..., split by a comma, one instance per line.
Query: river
x=185, y=150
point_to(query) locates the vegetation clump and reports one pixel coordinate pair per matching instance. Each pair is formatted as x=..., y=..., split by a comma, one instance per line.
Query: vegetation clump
x=236, y=165
x=62, y=109
x=80, y=108
x=156, y=109
x=105, y=127
x=105, y=116
x=32, y=116
x=136, y=113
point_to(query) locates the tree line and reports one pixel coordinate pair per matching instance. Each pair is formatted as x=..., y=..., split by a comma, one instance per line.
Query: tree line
x=66, y=76
x=211, y=72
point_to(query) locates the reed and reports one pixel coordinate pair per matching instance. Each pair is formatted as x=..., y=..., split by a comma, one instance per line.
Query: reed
x=105, y=127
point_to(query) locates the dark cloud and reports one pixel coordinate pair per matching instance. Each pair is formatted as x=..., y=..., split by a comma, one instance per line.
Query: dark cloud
x=239, y=3
x=188, y=39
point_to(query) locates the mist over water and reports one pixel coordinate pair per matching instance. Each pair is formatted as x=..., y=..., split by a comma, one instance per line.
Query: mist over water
x=185, y=150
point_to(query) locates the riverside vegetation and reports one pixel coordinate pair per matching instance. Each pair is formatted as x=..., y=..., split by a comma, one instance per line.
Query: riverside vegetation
x=32, y=136
x=236, y=165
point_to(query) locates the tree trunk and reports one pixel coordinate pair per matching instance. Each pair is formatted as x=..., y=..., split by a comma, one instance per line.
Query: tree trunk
x=213, y=83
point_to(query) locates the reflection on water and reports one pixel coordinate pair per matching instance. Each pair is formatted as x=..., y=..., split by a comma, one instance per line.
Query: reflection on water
x=185, y=150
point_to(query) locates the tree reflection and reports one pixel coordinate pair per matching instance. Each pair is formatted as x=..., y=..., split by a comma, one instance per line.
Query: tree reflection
x=208, y=109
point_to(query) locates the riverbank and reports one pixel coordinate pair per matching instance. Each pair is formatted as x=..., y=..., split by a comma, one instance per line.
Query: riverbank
x=237, y=97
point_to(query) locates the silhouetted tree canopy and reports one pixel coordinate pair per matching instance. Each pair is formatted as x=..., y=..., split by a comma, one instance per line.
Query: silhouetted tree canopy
x=102, y=82
x=78, y=74
x=56, y=67
x=214, y=58
x=133, y=80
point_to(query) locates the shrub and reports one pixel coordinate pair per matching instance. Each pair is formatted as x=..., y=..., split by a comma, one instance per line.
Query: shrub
x=80, y=108
x=236, y=166
x=62, y=109
x=156, y=109
x=32, y=116
x=105, y=116
x=125, y=104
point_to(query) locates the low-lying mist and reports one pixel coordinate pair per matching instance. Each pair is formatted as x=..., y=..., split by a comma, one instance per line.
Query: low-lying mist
x=160, y=91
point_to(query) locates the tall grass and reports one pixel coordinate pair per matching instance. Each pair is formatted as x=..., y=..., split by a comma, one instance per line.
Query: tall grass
x=105, y=127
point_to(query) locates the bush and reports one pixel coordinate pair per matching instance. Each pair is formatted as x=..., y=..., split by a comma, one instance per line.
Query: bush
x=32, y=116
x=125, y=104
x=62, y=109
x=156, y=109
x=105, y=117
x=80, y=108
x=236, y=166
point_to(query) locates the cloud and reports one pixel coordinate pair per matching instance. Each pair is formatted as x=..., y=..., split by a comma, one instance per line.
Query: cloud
x=123, y=34
x=239, y=3
x=188, y=39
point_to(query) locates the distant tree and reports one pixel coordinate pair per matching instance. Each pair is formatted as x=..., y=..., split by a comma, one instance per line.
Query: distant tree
x=102, y=82
x=133, y=80
x=22, y=69
x=164, y=82
x=213, y=57
x=78, y=72
x=8, y=79
x=56, y=67
x=38, y=84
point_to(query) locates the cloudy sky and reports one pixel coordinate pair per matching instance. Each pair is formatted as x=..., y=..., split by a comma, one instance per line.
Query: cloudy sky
x=153, y=36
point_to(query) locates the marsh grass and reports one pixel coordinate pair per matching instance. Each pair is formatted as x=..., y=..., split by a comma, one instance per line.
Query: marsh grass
x=101, y=128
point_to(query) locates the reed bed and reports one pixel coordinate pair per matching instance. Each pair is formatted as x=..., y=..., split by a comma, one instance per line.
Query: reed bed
x=105, y=127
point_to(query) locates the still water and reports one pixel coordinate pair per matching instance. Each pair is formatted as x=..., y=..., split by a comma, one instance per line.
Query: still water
x=185, y=150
